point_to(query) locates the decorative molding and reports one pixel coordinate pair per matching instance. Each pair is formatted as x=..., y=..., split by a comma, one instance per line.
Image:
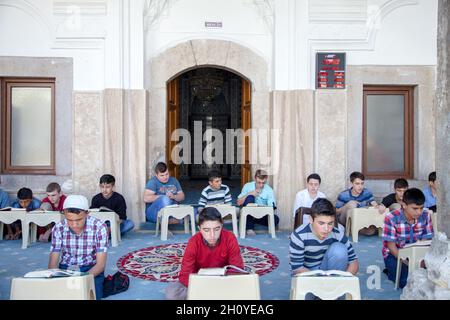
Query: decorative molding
x=79, y=25
x=266, y=9
x=31, y=10
x=332, y=11
x=154, y=10
x=78, y=44
x=69, y=8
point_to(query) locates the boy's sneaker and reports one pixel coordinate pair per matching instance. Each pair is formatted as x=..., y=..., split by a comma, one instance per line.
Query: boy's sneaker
x=251, y=232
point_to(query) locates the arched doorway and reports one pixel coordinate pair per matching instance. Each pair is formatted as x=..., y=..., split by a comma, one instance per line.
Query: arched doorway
x=202, y=99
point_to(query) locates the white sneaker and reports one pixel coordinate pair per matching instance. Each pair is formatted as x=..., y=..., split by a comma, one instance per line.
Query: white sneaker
x=251, y=233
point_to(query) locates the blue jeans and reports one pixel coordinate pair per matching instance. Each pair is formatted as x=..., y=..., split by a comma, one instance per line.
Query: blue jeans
x=126, y=226
x=151, y=212
x=336, y=258
x=391, y=265
x=250, y=223
x=98, y=280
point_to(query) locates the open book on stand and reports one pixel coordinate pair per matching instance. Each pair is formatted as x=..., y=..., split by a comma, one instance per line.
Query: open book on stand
x=325, y=273
x=53, y=273
x=101, y=209
x=257, y=205
x=420, y=243
x=220, y=271
x=12, y=209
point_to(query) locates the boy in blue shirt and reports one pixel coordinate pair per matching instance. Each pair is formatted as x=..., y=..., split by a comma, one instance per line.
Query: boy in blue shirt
x=261, y=193
x=26, y=201
x=161, y=191
x=430, y=192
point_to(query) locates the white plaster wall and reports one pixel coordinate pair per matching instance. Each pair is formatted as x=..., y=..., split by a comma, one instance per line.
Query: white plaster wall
x=387, y=32
x=185, y=20
x=404, y=36
x=110, y=40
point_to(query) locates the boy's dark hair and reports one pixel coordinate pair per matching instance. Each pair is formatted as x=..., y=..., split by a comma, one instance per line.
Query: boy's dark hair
x=209, y=214
x=261, y=174
x=356, y=175
x=432, y=176
x=54, y=186
x=161, y=167
x=414, y=196
x=213, y=174
x=314, y=176
x=322, y=207
x=24, y=194
x=108, y=179
x=400, y=183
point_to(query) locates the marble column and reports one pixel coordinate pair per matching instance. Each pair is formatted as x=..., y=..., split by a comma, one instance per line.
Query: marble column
x=433, y=283
x=443, y=116
x=124, y=118
x=292, y=148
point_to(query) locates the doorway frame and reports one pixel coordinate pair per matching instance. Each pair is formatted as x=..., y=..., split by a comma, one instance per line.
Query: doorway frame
x=172, y=62
x=173, y=123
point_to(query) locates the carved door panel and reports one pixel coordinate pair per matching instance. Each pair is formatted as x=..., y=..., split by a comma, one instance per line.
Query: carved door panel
x=173, y=110
x=246, y=124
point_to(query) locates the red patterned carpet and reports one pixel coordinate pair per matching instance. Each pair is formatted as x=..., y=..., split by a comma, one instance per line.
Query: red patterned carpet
x=163, y=263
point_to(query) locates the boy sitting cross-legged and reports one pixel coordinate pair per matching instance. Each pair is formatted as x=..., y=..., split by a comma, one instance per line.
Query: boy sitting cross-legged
x=215, y=192
x=53, y=202
x=25, y=200
x=112, y=200
x=357, y=197
x=319, y=245
x=406, y=225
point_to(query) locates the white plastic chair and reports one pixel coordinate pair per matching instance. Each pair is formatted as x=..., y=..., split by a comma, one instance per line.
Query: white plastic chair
x=257, y=212
x=325, y=287
x=37, y=218
x=178, y=212
x=8, y=217
x=415, y=255
x=434, y=220
x=231, y=287
x=359, y=218
x=225, y=210
x=65, y=288
x=114, y=222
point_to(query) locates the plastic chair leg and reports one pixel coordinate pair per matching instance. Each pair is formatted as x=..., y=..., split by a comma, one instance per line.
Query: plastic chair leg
x=242, y=225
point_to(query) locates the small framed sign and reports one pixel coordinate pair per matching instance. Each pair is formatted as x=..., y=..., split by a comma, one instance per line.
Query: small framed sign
x=330, y=70
x=213, y=24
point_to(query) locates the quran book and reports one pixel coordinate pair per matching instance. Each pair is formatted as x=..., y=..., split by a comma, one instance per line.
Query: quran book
x=220, y=271
x=420, y=243
x=12, y=209
x=325, y=273
x=53, y=273
x=101, y=209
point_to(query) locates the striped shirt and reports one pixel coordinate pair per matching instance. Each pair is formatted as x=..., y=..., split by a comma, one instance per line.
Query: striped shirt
x=306, y=250
x=364, y=198
x=210, y=196
x=80, y=250
x=398, y=230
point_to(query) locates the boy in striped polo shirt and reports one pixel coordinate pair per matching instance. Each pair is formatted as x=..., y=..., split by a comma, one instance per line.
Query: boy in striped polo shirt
x=319, y=245
x=357, y=197
x=215, y=193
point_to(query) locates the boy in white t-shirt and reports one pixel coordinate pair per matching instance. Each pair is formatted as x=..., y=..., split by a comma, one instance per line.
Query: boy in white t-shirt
x=306, y=197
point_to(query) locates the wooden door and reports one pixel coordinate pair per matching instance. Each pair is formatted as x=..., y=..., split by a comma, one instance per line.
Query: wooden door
x=173, y=110
x=246, y=124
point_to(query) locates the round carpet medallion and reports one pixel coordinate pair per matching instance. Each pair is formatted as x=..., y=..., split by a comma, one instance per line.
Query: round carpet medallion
x=163, y=263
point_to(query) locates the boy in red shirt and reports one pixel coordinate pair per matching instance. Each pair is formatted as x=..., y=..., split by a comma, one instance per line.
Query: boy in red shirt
x=53, y=202
x=212, y=247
